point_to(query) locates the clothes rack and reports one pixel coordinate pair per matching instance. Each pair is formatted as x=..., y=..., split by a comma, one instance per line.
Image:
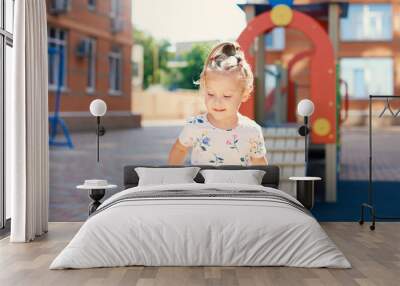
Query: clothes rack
x=370, y=205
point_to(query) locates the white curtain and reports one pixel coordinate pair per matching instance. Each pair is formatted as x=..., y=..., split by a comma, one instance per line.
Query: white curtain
x=27, y=155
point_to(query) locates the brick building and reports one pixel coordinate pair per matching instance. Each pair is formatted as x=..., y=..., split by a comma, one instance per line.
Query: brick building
x=96, y=40
x=366, y=38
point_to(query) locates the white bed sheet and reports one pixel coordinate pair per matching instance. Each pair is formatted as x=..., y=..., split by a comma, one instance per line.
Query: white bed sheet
x=200, y=231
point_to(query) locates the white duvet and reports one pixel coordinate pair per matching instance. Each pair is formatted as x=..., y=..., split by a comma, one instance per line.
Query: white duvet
x=200, y=231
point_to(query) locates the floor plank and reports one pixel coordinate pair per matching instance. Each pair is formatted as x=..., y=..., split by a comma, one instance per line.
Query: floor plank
x=375, y=257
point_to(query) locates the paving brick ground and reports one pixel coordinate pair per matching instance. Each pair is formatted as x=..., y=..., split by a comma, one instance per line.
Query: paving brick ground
x=151, y=144
x=355, y=154
x=68, y=168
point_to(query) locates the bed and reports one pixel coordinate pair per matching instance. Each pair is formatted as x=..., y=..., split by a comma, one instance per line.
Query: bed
x=198, y=224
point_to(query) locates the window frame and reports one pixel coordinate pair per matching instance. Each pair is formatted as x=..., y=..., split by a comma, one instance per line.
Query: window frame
x=365, y=98
x=57, y=41
x=274, y=36
x=67, y=5
x=115, y=8
x=6, y=39
x=92, y=6
x=116, y=55
x=91, y=67
x=366, y=39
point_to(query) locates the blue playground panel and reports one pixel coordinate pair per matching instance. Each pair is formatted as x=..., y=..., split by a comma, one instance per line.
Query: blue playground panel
x=281, y=2
x=55, y=120
x=350, y=196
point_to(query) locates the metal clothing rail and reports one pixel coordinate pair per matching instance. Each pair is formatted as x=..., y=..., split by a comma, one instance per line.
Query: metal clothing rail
x=370, y=205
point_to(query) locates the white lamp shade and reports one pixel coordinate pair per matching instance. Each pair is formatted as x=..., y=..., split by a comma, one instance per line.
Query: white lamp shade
x=98, y=107
x=305, y=107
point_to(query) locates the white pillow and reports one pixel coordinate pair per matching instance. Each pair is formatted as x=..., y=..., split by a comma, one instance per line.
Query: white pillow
x=249, y=177
x=164, y=176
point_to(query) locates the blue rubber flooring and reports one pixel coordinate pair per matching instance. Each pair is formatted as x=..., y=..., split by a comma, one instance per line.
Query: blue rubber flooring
x=351, y=194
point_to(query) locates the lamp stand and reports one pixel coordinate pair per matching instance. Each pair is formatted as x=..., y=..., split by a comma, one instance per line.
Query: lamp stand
x=100, y=132
x=98, y=138
x=306, y=142
x=304, y=130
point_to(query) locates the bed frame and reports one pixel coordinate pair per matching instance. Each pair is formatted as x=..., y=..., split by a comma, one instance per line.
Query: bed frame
x=270, y=179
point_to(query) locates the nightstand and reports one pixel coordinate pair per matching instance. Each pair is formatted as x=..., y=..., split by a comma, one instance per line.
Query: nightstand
x=305, y=190
x=96, y=192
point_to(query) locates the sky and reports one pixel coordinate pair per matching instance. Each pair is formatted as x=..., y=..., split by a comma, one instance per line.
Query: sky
x=189, y=20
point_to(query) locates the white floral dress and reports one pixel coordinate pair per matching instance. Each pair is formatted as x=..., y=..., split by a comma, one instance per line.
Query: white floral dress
x=215, y=146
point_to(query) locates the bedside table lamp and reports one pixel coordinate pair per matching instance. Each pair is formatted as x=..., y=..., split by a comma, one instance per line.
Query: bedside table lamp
x=97, y=188
x=98, y=108
x=305, y=185
x=305, y=108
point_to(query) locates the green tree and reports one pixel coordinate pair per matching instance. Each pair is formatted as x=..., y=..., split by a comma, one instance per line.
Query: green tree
x=195, y=60
x=156, y=56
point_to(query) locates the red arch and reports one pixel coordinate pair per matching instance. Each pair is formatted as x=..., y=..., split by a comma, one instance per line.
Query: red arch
x=291, y=98
x=322, y=73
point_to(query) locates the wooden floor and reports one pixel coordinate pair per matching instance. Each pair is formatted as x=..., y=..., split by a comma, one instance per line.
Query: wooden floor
x=375, y=257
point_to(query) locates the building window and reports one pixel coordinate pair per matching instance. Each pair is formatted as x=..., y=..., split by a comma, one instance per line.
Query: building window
x=275, y=40
x=57, y=39
x=115, y=8
x=135, y=69
x=115, y=72
x=367, y=76
x=92, y=5
x=59, y=6
x=271, y=78
x=117, y=23
x=367, y=22
x=91, y=71
x=6, y=66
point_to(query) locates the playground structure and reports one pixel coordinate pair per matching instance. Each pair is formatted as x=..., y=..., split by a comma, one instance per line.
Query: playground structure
x=55, y=120
x=324, y=82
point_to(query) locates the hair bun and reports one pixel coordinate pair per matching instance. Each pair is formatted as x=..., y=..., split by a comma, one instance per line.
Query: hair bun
x=229, y=50
x=228, y=56
x=229, y=63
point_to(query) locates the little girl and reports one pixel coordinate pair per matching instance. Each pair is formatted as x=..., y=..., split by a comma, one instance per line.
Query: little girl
x=222, y=136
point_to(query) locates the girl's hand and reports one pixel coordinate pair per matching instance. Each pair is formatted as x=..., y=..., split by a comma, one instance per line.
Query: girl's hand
x=177, y=154
x=259, y=161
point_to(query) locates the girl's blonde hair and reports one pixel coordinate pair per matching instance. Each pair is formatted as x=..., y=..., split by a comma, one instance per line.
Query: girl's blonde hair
x=227, y=57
